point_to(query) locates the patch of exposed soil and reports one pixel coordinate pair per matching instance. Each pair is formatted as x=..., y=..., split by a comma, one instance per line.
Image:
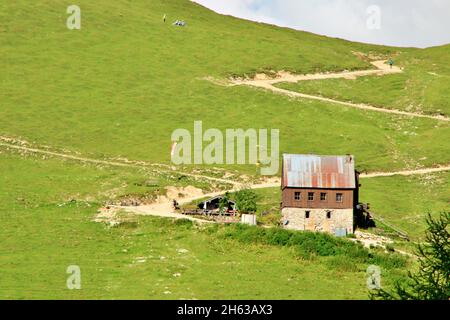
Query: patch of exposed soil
x=186, y=192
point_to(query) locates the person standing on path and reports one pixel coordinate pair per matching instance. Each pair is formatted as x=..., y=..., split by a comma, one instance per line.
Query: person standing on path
x=391, y=62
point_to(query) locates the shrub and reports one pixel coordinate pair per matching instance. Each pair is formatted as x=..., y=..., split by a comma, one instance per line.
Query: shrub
x=271, y=219
x=308, y=244
x=245, y=233
x=277, y=236
x=432, y=280
x=246, y=201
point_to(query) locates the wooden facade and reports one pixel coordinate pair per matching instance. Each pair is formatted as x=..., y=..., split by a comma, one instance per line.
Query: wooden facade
x=290, y=199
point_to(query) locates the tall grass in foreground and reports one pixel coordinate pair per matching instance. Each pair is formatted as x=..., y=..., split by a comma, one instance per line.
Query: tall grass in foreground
x=308, y=245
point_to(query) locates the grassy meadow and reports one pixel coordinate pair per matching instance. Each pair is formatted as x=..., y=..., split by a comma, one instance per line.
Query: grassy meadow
x=47, y=226
x=422, y=88
x=404, y=202
x=117, y=88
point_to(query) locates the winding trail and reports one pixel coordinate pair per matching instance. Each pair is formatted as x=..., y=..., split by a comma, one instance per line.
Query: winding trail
x=406, y=172
x=164, y=208
x=261, y=81
x=129, y=164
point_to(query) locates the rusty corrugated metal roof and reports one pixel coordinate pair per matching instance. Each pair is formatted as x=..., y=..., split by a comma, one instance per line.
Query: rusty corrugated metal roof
x=313, y=171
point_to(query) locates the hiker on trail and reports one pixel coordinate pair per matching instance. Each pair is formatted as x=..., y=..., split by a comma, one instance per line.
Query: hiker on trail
x=391, y=62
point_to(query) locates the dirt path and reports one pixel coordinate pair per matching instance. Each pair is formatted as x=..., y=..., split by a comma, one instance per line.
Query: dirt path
x=139, y=165
x=274, y=182
x=381, y=69
x=164, y=208
x=261, y=81
x=406, y=172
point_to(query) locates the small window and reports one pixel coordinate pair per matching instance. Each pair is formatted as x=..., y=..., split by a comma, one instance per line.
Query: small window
x=297, y=196
x=339, y=197
x=323, y=196
x=328, y=214
x=307, y=214
x=310, y=196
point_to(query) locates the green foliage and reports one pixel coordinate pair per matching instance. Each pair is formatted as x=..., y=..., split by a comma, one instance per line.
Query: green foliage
x=223, y=203
x=246, y=201
x=271, y=218
x=432, y=280
x=343, y=264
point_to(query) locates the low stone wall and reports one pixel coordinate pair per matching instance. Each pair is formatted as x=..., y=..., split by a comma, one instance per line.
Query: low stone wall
x=295, y=218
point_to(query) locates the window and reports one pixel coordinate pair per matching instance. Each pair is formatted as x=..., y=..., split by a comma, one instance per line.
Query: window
x=323, y=196
x=310, y=196
x=297, y=196
x=328, y=214
x=307, y=214
x=339, y=197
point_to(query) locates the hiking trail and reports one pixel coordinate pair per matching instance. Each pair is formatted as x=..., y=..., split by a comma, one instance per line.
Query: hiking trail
x=164, y=207
x=264, y=82
x=130, y=164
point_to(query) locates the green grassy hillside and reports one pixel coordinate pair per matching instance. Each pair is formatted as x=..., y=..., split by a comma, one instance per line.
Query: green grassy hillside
x=47, y=226
x=422, y=88
x=404, y=201
x=118, y=87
